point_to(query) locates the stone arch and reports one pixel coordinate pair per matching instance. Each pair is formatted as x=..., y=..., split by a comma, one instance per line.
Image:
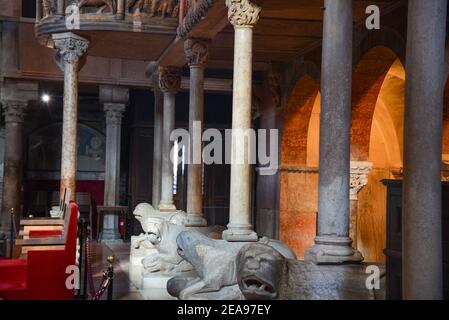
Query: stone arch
x=385, y=37
x=297, y=112
x=368, y=78
x=295, y=72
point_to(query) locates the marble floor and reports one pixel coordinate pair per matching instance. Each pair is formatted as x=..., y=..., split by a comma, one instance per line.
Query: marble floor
x=127, y=277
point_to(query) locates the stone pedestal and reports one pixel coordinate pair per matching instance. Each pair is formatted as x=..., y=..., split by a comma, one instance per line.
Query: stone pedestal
x=169, y=83
x=333, y=244
x=71, y=48
x=243, y=15
x=422, y=252
x=197, y=51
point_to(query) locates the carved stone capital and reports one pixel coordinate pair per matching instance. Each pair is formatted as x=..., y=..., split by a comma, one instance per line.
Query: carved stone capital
x=197, y=51
x=70, y=46
x=114, y=113
x=358, y=177
x=14, y=111
x=243, y=12
x=169, y=79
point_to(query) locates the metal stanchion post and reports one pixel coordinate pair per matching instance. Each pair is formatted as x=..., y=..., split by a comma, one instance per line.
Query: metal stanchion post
x=110, y=271
x=81, y=263
x=85, y=265
x=11, y=245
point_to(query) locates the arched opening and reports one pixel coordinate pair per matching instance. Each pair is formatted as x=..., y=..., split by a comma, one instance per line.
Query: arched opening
x=385, y=147
x=299, y=176
x=368, y=78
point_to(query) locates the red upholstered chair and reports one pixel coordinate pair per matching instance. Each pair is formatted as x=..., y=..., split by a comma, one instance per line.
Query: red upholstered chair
x=42, y=275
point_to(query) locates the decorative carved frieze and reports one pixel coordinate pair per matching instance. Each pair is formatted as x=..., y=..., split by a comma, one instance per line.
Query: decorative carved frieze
x=243, y=12
x=163, y=8
x=197, y=51
x=100, y=4
x=169, y=79
x=358, y=177
x=14, y=111
x=70, y=46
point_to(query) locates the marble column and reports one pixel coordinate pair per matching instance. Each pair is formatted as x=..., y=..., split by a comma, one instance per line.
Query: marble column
x=157, y=146
x=358, y=179
x=332, y=243
x=243, y=15
x=70, y=48
x=422, y=252
x=197, y=52
x=14, y=113
x=169, y=83
x=113, y=113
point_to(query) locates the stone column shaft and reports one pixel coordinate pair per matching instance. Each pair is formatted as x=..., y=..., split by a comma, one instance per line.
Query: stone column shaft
x=170, y=83
x=69, y=130
x=71, y=48
x=14, y=117
x=243, y=15
x=332, y=244
x=197, y=53
x=114, y=113
x=157, y=150
x=422, y=254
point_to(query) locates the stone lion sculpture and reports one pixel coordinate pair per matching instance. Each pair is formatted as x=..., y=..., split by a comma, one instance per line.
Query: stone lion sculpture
x=264, y=274
x=160, y=231
x=215, y=263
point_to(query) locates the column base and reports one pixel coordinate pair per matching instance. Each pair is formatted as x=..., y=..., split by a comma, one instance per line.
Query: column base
x=195, y=220
x=167, y=207
x=332, y=250
x=240, y=233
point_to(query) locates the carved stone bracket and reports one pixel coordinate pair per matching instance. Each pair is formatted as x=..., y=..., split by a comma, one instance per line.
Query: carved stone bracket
x=14, y=111
x=70, y=46
x=197, y=51
x=169, y=79
x=358, y=177
x=243, y=12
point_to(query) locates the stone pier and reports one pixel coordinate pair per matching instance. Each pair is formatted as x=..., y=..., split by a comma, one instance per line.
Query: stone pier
x=332, y=243
x=114, y=100
x=422, y=252
x=15, y=97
